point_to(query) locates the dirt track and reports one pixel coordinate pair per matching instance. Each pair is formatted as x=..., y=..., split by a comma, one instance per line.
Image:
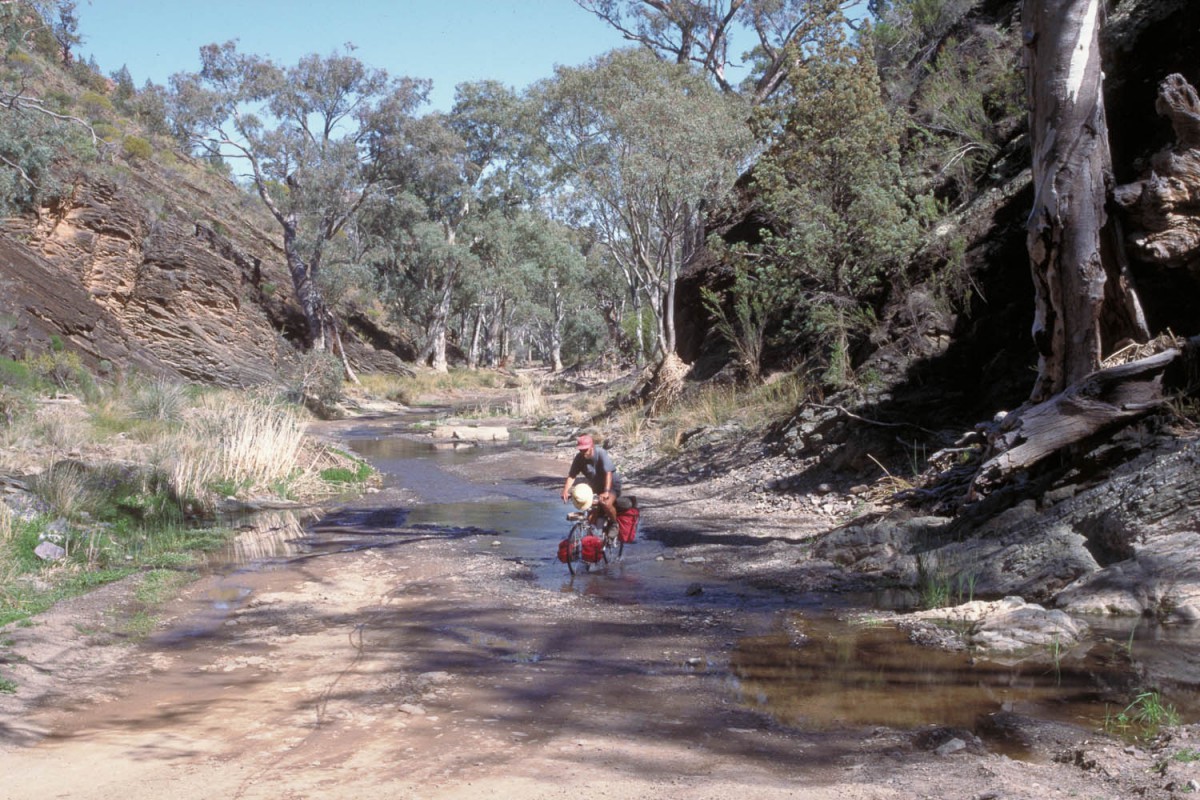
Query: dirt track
x=431, y=668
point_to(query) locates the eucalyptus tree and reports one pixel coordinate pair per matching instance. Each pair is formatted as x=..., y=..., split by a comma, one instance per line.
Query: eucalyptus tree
x=309, y=135
x=555, y=270
x=37, y=134
x=699, y=32
x=1084, y=298
x=449, y=172
x=641, y=148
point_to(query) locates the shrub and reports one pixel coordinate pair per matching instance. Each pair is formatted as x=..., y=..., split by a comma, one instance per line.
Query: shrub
x=159, y=400
x=317, y=382
x=14, y=404
x=136, y=148
x=16, y=374
x=62, y=369
x=95, y=106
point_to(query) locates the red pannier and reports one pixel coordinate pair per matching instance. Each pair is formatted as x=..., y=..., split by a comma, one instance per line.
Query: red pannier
x=592, y=549
x=627, y=524
x=564, y=550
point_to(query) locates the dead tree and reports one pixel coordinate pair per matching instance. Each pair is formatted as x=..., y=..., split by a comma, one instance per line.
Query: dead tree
x=1097, y=404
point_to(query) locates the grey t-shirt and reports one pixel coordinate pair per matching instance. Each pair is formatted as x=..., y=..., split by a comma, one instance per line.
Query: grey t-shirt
x=595, y=468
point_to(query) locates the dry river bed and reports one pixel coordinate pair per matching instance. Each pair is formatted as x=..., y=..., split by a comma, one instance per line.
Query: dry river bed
x=429, y=665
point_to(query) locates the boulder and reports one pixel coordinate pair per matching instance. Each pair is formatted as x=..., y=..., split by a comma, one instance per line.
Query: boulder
x=471, y=433
x=1008, y=624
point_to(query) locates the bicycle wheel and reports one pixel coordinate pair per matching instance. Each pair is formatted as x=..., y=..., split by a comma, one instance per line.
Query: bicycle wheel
x=575, y=544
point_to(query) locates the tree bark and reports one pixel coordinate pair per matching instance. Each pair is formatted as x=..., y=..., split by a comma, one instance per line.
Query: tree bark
x=1072, y=176
x=1165, y=204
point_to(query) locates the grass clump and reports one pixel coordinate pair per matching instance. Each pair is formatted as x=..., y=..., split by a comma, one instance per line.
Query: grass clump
x=232, y=443
x=1143, y=718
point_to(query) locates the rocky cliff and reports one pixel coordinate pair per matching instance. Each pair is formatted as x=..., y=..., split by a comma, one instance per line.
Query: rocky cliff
x=163, y=269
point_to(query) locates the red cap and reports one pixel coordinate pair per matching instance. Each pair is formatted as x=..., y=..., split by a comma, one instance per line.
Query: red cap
x=585, y=442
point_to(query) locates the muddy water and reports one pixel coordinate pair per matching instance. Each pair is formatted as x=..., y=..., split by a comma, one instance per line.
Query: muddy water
x=794, y=659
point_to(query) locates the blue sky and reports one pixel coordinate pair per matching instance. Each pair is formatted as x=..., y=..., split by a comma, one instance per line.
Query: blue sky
x=447, y=41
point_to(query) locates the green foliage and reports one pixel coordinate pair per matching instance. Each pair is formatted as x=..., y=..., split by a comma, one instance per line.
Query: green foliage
x=359, y=474
x=136, y=148
x=939, y=588
x=313, y=131
x=1145, y=715
x=839, y=222
x=643, y=146
x=906, y=34
x=96, y=107
x=62, y=369
x=16, y=374
x=317, y=380
x=743, y=326
x=34, y=148
x=967, y=106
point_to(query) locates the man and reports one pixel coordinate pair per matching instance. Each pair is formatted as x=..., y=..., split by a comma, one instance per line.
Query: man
x=595, y=466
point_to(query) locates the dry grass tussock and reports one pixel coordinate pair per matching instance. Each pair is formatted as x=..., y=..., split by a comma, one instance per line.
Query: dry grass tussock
x=530, y=401
x=234, y=443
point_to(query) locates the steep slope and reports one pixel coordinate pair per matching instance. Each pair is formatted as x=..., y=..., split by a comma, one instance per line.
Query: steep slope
x=161, y=266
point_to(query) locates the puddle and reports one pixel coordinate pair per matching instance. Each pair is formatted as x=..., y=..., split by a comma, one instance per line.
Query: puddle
x=824, y=673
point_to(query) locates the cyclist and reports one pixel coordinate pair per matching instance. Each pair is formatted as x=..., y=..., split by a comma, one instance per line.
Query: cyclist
x=594, y=466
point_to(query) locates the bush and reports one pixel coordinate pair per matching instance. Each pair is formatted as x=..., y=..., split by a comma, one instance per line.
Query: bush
x=136, y=148
x=317, y=382
x=14, y=404
x=16, y=374
x=159, y=400
x=96, y=106
x=61, y=369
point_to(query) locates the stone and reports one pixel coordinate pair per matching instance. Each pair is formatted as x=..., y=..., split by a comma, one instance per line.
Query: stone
x=471, y=433
x=49, y=551
x=952, y=746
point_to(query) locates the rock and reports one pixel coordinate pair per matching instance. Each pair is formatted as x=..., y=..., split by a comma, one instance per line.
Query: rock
x=694, y=590
x=952, y=746
x=1008, y=624
x=471, y=433
x=49, y=551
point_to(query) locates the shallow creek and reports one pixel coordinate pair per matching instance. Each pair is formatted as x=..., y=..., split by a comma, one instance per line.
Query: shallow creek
x=795, y=658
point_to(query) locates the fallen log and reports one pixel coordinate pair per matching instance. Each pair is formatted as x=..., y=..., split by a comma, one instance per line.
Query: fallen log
x=1097, y=403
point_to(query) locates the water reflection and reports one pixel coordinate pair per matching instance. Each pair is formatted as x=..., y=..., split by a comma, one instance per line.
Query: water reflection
x=262, y=536
x=821, y=672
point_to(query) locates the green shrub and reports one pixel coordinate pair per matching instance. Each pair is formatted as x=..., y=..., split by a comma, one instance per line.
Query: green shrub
x=106, y=131
x=60, y=101
x=16, y=374
x=136, y=148
x=316, y=382
x=62, y=369
x=95, y=106
x=14, y=404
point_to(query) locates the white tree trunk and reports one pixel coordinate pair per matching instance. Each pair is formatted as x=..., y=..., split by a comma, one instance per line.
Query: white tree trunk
x=1072, y=175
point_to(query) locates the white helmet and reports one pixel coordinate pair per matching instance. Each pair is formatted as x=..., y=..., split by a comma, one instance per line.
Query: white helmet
x=581, y=495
